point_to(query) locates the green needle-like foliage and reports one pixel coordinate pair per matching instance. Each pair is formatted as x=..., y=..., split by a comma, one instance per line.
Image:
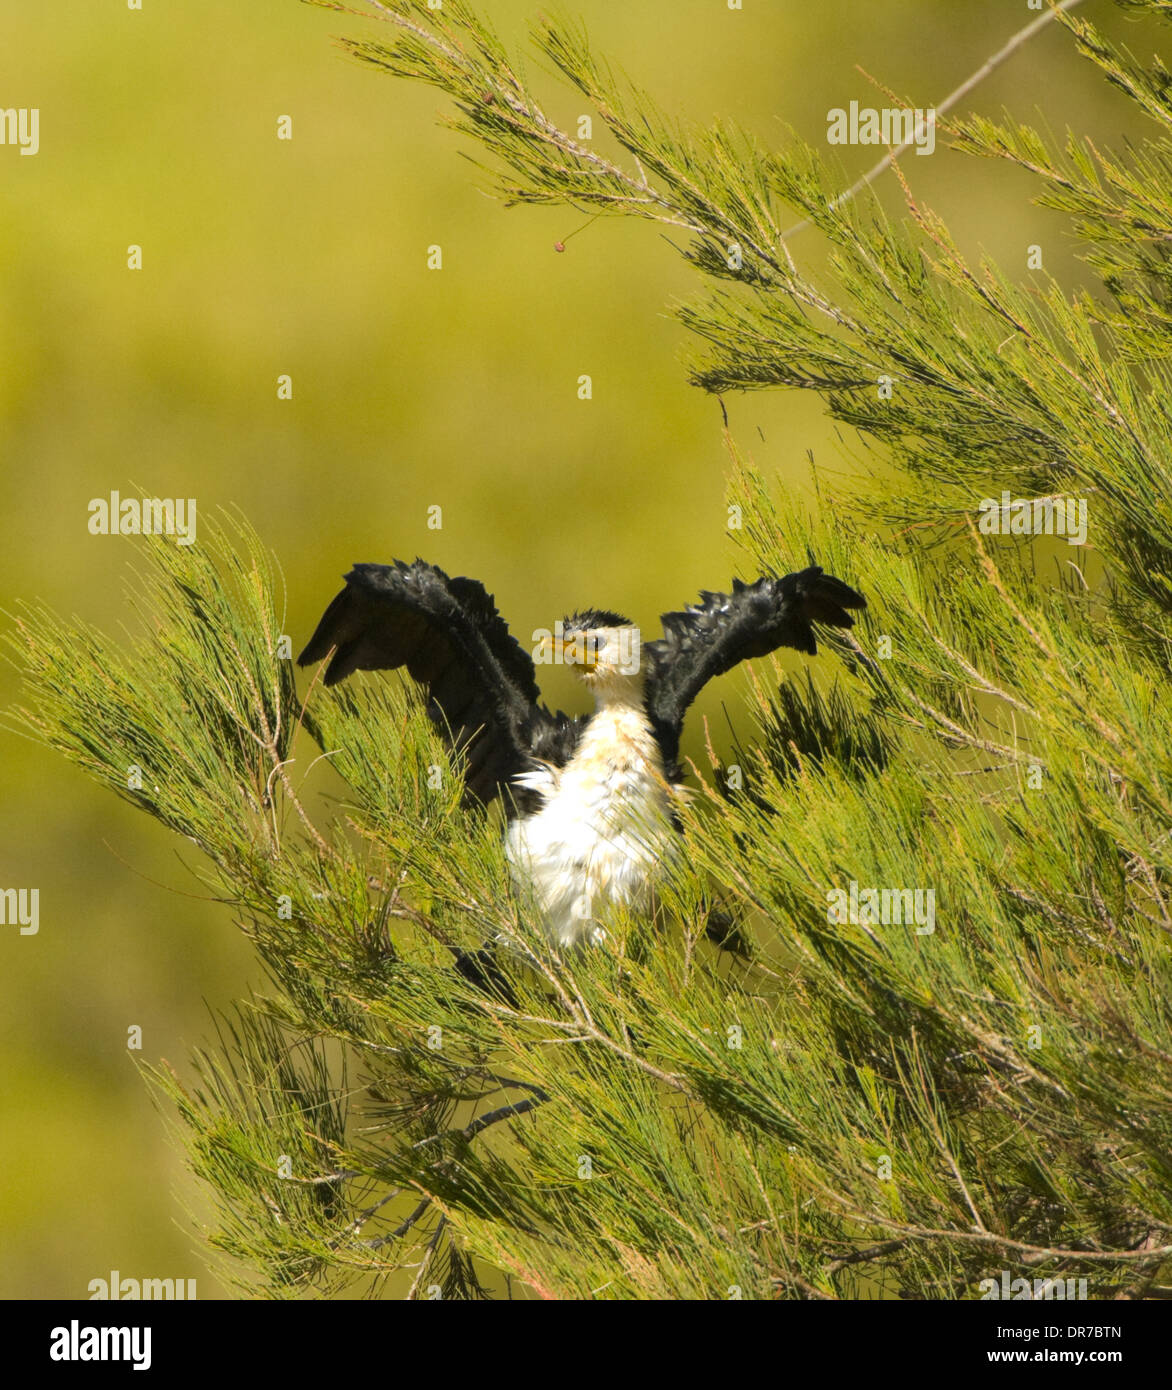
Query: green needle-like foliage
x=843, y=1107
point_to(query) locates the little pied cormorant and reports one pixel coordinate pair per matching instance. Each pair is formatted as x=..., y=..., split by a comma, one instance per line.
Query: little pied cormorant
x=589, y=798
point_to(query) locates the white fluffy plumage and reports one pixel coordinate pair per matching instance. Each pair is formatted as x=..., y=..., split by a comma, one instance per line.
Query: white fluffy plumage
x=603, y=833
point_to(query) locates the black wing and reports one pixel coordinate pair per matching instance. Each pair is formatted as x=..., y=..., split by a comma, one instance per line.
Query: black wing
x=724, y=629
x=481, y=685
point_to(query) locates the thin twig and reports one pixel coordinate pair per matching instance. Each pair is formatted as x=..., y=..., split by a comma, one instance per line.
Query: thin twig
x=989, y=66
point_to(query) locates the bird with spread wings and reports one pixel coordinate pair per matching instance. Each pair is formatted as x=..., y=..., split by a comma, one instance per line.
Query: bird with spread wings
x=589, y=799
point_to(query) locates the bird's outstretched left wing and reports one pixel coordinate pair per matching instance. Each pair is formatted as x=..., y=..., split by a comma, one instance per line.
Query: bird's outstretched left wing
x=481, y=684
x=707, y=639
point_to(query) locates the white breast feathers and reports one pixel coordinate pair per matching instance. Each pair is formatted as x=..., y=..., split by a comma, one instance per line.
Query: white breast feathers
x=604, y=833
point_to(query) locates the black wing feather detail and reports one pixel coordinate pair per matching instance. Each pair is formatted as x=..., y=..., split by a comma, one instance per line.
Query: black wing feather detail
x=481, y=684
x=724, y=629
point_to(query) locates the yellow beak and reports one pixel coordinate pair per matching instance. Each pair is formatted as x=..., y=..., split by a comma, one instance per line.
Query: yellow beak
x=577, y=652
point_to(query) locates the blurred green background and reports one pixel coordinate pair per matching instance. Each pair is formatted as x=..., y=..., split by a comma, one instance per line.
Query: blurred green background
x=411, y=388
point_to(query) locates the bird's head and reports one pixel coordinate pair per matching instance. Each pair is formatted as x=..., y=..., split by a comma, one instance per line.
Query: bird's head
x=603, y=649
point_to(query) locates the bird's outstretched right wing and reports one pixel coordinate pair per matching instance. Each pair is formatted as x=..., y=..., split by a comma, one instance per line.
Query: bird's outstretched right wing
x=481, y=684
x=711, y=637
